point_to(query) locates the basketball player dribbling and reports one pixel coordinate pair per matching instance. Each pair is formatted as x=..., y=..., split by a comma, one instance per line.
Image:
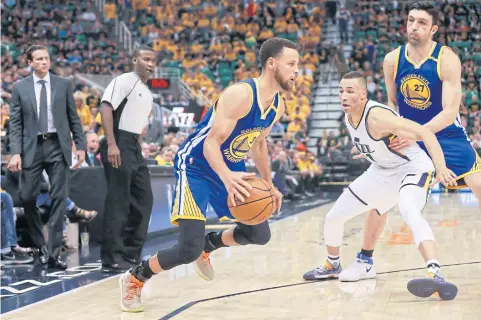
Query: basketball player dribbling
x=393, y=178
x=210, y=168
x=423, y=81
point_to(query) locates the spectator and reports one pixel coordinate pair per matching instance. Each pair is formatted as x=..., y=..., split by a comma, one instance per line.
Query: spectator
x=165, y=158
x=11, y=252
x=91, y=158
x=281, y=169
x=343, y=21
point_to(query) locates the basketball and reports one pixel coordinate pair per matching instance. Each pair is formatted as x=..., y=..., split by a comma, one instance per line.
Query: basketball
x=258, y=207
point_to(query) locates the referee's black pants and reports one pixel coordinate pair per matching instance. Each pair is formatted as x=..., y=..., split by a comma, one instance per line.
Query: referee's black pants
x=129, y=201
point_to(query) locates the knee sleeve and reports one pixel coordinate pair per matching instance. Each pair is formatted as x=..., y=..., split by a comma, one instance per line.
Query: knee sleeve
x=345, y=208
x=411, y=203
x=259, y=234
x=189, y=247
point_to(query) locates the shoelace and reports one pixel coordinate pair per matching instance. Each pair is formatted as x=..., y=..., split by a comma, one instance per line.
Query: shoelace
x=435, y=276
x=205, y=256
x=358, y=262
x=133, y=289
x=325, y=266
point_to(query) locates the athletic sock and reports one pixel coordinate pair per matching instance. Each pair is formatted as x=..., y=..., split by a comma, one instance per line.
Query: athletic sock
x=213, y=241
x=433, y=264
x=367, y=253
x=333, y=260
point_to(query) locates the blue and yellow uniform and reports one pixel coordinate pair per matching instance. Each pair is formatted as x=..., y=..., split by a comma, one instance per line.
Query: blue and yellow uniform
x=197, y=183
x=419, y=97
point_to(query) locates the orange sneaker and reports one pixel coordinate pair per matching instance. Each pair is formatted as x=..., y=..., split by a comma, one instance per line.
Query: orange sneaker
x=204, y=268
x=130, y=293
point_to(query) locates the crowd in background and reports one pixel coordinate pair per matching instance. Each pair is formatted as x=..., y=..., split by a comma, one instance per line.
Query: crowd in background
x=379, y=29
x=210, y=51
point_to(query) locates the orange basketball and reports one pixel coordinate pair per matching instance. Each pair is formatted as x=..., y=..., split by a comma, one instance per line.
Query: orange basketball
x=258, y=207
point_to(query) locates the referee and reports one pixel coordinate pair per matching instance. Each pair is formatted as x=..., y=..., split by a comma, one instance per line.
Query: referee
x=125, y=108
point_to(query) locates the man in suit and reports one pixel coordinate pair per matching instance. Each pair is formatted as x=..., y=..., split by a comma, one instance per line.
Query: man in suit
x=92, y=150
x=42, y=117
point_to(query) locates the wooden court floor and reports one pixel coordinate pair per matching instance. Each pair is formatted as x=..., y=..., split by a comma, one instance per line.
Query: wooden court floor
x=266, y=282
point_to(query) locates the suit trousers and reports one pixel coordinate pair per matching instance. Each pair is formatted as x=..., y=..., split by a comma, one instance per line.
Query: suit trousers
x=129, y=201
x=49, y=157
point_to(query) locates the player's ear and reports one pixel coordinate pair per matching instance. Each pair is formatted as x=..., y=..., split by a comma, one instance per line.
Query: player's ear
x=434, y=29
x=271, y=63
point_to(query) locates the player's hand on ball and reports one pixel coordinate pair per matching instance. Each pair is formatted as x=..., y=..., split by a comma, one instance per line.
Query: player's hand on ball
x=399, y=143
x=236, y=186
x=446, y=177
x=357, y=154
x=277, y=197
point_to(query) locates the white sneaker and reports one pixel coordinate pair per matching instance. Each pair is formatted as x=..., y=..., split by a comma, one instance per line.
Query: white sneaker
x=204, y=268
x=130, y=293
x=362, y=268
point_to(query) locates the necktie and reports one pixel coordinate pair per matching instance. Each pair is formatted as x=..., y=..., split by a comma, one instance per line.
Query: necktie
x=91, y=156
x=43, y=114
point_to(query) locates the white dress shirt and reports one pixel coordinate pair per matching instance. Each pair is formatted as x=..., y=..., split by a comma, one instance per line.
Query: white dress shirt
x=38, y=89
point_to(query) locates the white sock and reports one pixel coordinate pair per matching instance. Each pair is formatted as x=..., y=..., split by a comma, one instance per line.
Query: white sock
x=333, y=260
x=433, y=264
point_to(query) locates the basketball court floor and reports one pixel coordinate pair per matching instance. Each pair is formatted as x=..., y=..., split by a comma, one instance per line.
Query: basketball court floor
x=266, y=282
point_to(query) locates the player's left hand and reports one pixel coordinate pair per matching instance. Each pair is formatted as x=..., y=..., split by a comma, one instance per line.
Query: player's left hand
x=446, y=177
x=277, y=197
x=80, y=159
x=399, y=143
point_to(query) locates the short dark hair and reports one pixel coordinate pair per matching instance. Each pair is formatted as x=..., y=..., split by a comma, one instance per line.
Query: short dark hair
x=137, y=50
x=272, y=47
x=427, y=6
x=356, y=75
x=32, y=49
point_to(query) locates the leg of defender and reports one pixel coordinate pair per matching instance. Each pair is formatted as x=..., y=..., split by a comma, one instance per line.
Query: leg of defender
x=412, y=201
x=373, y=228
x=346, y=207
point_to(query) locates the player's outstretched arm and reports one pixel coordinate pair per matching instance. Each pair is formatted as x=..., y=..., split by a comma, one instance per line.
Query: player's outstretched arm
x=452, y=92
x=234, y=103
x=389, y=67
x=383, y=122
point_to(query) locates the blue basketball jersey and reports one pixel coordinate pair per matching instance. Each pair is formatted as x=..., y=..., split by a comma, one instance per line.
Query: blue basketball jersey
x=420, y=89
x=240, y=141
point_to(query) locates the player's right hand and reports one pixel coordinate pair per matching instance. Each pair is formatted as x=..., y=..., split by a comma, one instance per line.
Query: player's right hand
x=114, y=155
x=15, y=163
x=446, y=177
x=237, y=186
x=357, y=154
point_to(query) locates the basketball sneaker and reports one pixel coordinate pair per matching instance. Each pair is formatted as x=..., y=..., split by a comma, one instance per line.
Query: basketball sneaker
x=433, y=283
x=130, y=293
x=327, y=270
x=362, y=268
x=204, y=268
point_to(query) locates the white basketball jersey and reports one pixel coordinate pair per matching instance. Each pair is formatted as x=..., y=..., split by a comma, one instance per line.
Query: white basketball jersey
x=378, y=151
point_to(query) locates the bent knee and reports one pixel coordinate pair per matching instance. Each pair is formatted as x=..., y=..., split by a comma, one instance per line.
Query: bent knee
x=259, y=234
x=189, y=252
x=261, y=238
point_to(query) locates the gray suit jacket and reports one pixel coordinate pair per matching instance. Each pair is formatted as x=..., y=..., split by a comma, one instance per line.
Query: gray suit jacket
x=24, y=119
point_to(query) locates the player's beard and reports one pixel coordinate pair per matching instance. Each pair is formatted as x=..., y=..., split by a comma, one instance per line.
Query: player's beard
x=283, y=83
